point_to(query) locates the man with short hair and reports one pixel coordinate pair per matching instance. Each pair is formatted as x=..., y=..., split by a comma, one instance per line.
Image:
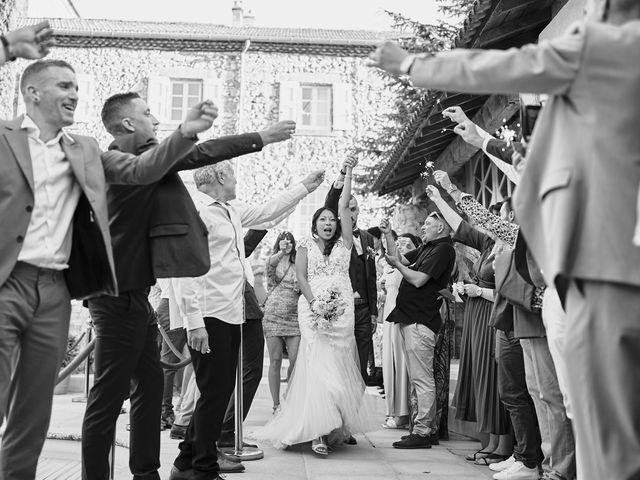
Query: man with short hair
x=55, y=243
x=156, y=233
x=425, y=272
x=213, y=333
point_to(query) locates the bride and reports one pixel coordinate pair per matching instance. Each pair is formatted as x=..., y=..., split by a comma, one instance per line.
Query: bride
x=324, y=400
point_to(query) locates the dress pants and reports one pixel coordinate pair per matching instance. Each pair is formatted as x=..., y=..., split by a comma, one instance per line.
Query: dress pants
x=252, y=362
x=512, y=386
x=34, y=322
x=363, y=334
x=178, y=337
x=215, y=377
x=127, y=362
x=419, y=342
x=603, y=366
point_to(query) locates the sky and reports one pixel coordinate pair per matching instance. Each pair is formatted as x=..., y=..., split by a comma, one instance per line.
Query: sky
x=340, y=14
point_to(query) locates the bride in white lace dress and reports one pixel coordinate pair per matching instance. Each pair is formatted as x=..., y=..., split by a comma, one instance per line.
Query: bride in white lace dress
x=324, y=402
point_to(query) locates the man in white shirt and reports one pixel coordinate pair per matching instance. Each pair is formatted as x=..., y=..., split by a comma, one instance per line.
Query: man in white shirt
x=213, y=334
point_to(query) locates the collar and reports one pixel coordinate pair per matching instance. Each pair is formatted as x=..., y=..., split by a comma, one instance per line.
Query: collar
x=439, y=240
x=34, y=131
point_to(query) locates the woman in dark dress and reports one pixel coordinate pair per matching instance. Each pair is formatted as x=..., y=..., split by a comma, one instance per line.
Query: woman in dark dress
x=477, y=396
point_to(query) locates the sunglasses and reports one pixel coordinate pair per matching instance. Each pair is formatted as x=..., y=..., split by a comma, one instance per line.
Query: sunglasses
x=438, y=216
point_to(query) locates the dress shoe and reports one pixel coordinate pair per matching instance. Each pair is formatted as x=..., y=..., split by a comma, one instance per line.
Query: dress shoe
x=231, y=443
x=350, y=440
x=180, y=474
x=178, y=432
x=228, y=456
x=434, y=438
x=229, y=466
x=413, y=440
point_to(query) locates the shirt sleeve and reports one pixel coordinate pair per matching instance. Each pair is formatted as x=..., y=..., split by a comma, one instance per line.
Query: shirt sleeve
x=473, y=238
x=188, y=291
x=256, y=215
x=505, y=231
x=412, y=255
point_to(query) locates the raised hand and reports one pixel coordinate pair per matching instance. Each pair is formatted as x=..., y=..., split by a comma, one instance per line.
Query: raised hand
x=393, y=260
x=433, y=193
x=313, y=180
x=442, y=178
x=31, y=42
x=350, y=163
x=469, y=133
x=385, y=226
x=199, y=118
x=278, y=132
x=388, y=57
x=284, y=243
x=456, y=114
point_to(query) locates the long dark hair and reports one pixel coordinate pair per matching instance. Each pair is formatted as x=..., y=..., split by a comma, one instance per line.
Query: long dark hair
x=286, y=236
x=314, y=231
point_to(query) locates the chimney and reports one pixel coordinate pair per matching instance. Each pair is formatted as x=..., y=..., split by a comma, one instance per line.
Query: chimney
x=249, y=19
x=237, y=13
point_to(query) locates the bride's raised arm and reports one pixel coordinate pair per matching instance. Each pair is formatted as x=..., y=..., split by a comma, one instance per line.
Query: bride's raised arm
x=343, y=210
x=301, y=271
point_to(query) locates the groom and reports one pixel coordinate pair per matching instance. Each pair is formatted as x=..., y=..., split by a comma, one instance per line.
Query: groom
x=362, y=272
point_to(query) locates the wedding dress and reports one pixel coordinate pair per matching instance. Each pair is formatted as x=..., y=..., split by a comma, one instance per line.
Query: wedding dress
x=325, y=395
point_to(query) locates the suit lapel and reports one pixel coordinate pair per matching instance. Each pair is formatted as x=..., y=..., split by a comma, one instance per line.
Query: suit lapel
x=73, y=151
x=19, y=146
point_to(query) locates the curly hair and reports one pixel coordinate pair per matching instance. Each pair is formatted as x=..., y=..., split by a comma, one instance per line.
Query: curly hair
x=314, y=231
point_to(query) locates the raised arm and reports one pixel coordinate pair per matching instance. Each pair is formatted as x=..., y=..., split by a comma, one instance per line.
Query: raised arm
x=392, y=249
x=30, y=42
x=548, y=67
x=343, y=210
x=449, y=214
x=153, y=164
x=301, y=273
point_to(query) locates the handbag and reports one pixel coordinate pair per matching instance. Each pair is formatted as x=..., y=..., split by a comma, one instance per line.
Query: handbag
x=274, y=287
x=510, y=283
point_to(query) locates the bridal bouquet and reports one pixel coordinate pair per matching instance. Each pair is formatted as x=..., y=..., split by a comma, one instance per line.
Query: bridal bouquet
x=327, y=307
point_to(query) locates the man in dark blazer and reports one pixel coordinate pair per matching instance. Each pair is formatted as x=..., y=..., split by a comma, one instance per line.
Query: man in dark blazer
x=576, y=205
x=362, y=271
x=156, y=233
x=55, y=243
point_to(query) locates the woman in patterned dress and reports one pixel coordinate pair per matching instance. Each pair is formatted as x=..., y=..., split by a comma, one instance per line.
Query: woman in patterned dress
x=280, y=323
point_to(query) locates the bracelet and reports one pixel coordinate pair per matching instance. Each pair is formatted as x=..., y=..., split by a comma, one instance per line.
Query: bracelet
x=311, y=301
x=342, y=172
x=7, y=51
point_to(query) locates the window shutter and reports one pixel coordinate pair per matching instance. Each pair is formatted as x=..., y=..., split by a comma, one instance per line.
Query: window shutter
x=212, y=90
x=342, y=101
x=159, y=98
x=289, y=101
x=86, y=91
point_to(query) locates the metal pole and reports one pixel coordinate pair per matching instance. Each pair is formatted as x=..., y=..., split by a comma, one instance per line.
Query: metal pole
x=87, y=370
x=243, y=453
x=112, y=469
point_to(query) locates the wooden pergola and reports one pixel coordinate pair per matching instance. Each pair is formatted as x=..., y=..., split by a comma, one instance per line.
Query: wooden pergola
x=427, y=137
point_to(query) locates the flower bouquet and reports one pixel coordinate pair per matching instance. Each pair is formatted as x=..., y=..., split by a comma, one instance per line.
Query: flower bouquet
x=327, y=306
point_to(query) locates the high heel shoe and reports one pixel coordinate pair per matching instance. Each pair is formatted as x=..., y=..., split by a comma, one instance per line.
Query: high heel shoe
x=319, y=447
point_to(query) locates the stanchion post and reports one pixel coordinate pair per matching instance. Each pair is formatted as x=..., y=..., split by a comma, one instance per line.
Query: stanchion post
x=87, y=370
x=243, y=453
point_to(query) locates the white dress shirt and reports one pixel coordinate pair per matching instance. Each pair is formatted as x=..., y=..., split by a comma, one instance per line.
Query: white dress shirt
x=508, y=169
x=47, y=242
x=221, y=291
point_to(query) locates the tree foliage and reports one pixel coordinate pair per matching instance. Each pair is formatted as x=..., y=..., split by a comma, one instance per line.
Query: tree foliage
x=374, y=149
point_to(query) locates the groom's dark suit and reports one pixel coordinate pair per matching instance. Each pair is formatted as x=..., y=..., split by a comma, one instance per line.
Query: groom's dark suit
x=362, y=272
x=156, y=232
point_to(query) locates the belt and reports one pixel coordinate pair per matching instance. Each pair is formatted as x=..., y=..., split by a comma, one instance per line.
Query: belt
x=360, y=301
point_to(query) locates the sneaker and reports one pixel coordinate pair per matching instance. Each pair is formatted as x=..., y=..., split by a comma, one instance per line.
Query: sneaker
x=518, y=471
x=413, y=440
x=501, y=466
x=177, y=432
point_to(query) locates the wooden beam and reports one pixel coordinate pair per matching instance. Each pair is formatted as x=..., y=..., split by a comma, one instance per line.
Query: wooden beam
x=490, y=117
x=514, y=28
x=506, y=5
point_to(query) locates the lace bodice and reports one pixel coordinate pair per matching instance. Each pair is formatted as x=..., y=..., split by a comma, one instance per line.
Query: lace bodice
x=337, y=263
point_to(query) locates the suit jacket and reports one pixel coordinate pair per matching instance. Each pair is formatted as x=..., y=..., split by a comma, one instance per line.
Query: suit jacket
x=91, y=269
x=576, y=202
x=366, y=240
x=173, y=239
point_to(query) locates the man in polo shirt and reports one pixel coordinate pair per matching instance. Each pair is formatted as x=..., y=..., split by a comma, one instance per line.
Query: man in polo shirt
x=425, y=272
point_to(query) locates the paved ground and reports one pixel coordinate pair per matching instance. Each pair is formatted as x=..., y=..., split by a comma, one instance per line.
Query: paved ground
x=372, y=458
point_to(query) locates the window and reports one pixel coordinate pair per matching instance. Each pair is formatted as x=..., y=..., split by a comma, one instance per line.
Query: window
x=315, y=107
x=185, y=93
x=318, y=108
x=488, y=184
